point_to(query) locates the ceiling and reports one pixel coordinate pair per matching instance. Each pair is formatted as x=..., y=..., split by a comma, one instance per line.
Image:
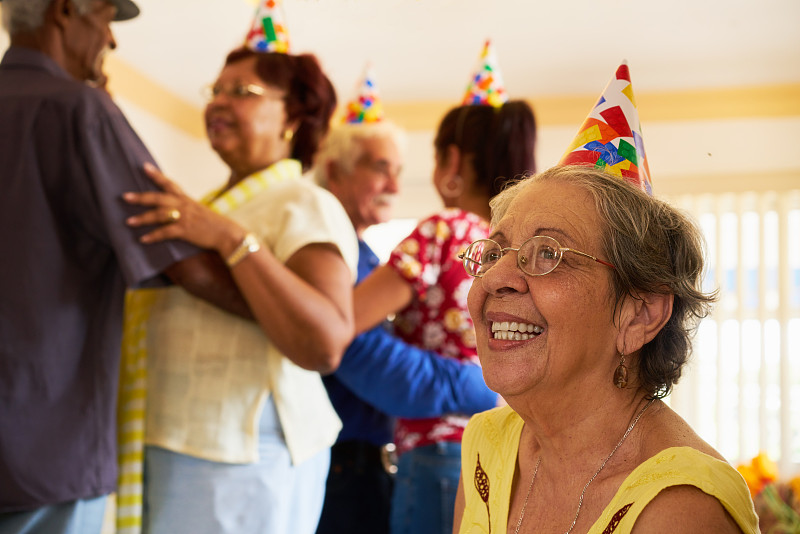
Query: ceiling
x=425, y=50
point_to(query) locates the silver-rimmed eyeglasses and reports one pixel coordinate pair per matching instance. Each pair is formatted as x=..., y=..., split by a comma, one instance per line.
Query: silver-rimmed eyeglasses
x=242, y=90
x=537, y=256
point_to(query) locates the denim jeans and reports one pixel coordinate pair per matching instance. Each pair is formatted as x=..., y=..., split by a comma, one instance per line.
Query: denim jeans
x=188, y=495
x=425, y=489
x=76, y=517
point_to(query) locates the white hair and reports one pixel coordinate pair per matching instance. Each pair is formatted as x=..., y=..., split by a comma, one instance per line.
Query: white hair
x=27, y=15
x=344, y=144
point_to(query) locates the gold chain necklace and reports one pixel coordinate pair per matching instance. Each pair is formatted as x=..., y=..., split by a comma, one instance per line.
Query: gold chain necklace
x=580, y=501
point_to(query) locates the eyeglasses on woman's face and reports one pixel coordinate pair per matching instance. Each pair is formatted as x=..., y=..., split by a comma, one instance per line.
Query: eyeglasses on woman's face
x=537, y=256
x=238, y=91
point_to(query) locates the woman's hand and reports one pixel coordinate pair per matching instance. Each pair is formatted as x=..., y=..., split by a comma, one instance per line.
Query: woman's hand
x=178, y=216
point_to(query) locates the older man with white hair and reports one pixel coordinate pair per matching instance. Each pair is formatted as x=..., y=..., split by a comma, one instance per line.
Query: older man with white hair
x=380, y=377
x=67, y=155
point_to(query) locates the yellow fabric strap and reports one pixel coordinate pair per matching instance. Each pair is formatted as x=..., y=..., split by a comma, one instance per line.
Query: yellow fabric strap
x=133, y=366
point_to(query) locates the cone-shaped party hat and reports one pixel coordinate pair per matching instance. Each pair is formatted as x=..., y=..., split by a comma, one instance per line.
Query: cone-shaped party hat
x=268, y=31
x=486, y=85
x=611, y=136
x=366, y=107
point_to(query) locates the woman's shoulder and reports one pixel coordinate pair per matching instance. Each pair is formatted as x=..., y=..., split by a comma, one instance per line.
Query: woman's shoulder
x=684, y=482
x=666, y=430
x=683, y=460
x=300, y=188
x=286, y=198
x=680, y=476
x=687, y=509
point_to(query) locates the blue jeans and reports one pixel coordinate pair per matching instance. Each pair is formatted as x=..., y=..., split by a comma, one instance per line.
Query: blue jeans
x=76, y=517
x=188, y=495
x=425, y=489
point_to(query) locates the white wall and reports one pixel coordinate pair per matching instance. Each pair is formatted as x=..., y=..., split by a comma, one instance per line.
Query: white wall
x=187, y=160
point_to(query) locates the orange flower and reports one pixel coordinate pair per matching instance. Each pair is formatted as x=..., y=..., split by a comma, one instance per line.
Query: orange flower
x=766, y=468
x=758, y=473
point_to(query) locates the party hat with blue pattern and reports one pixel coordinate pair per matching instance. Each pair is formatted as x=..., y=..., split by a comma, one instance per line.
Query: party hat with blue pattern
x=486, y=85
x=366, y=107
x=611, y=136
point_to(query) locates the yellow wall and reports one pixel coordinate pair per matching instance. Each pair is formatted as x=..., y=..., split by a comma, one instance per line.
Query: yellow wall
x=760, y=101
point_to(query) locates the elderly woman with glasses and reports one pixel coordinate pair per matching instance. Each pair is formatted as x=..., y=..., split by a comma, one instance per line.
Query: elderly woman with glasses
x=238, y=424
x=584, y=300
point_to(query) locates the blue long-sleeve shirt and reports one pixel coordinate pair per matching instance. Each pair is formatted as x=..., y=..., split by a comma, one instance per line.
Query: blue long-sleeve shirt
x=381, y=377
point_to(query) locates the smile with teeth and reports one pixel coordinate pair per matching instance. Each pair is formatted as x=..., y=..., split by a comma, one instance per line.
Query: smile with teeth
x=515, y=331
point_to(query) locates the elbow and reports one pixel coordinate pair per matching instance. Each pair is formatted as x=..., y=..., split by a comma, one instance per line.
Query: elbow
x=329, y=366
x=324, y=363
x=323, y=350
x=337, y=344
x=328, y=360
x=324, y=358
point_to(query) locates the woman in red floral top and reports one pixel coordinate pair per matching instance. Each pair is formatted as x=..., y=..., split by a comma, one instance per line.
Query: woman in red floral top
x=478, y=150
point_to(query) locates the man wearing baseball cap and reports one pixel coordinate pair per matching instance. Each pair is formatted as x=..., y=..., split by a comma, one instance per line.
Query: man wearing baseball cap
x=67, y=154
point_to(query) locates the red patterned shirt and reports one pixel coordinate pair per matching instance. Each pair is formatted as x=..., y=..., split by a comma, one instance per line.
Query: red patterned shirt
x=437, y=319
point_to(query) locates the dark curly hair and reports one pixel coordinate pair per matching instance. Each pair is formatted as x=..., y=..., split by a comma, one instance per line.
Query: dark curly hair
x=501, y=140
x=655, y=249
x=310, y=96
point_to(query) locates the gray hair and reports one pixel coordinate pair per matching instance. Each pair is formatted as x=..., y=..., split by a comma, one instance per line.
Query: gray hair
x=655, y=249
x=344, y=146
x=27, y=15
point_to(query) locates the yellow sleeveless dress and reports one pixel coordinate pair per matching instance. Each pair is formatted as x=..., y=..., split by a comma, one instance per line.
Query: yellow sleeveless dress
x=489, y=456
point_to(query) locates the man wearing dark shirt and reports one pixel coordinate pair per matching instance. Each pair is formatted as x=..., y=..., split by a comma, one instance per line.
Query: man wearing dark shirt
x=66, y=156
x=380, y=377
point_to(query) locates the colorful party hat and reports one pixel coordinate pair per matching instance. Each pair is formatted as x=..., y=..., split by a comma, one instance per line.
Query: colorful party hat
x=486, y=86
x=366, y=107
x=611, y=136
x=268, y=32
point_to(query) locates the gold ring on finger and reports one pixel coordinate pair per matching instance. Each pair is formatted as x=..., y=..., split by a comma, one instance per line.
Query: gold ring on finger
x=173, y=215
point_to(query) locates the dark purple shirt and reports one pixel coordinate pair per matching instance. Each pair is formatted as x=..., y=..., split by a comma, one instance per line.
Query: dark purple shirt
x=66, y=155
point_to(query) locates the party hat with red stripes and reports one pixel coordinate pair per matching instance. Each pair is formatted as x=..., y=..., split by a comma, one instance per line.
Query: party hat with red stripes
x=366, y=107
x=486, y=85
x=268, y=31
x=611, y=136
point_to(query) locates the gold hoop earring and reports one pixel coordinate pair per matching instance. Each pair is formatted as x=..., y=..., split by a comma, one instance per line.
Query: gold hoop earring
x=452, y=188
x=621, y=373
x=288, y=134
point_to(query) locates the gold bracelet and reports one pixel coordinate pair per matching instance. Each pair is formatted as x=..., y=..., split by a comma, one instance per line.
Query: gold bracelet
x=248, y=245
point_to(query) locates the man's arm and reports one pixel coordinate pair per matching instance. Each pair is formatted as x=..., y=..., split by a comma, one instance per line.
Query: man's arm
x=405, y=381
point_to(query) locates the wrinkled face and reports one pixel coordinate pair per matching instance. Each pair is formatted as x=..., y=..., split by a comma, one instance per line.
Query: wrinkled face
x=369, y=192
x=244, y=128
x=87, y=39
x=563, y=320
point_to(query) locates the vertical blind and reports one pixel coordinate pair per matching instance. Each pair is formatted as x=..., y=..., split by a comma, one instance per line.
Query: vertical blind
x=741, y=389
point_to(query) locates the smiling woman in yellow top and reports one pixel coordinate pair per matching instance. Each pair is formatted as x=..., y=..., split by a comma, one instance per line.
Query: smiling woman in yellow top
x=584, y=300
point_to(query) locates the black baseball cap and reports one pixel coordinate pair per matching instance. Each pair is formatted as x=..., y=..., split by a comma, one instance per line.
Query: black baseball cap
x=126, y=9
